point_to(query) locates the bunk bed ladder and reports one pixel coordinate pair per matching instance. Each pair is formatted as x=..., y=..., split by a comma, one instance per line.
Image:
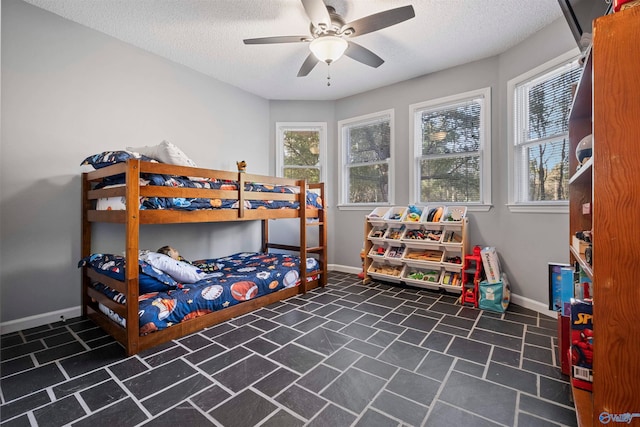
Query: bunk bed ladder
x=321, y=249
x=303, y=249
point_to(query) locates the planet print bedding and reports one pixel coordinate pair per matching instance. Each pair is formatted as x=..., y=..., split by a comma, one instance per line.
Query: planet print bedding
x=230, y=280
x=107, y=158
x=195, y=203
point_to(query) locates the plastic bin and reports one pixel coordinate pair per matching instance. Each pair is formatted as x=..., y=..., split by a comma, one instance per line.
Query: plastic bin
x=377, y=251
x=395, y=214
x=386, y=272
x=433, y=214
x=454, y=214
x=451, y=281
x=376, y=235
x=452, y=258
x=451, y=236
x=423, y=235
x=422, y=277
x=377, y=216
x=412, y=221
x=422, y=257
x=393, y=235
x=393, y=255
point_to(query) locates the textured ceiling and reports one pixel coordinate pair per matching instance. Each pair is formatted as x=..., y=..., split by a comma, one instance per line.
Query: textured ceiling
x=206, y=35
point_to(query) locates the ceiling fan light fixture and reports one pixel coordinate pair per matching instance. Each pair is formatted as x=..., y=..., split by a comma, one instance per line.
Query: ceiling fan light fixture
x=328, y=48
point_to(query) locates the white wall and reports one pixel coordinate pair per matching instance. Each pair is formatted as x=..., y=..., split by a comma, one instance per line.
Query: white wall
x=68, y=92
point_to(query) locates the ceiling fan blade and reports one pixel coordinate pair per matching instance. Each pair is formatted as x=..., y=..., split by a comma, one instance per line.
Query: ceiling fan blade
x=277, y=39
x=317, y=12
x=308, y=65
x=380, y=20
x=364, y=55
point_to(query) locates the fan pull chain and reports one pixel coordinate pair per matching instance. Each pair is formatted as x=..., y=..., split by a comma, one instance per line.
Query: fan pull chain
x=329, y=74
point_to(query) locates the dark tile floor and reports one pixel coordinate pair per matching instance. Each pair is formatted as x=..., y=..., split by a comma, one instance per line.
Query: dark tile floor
x=346, y=355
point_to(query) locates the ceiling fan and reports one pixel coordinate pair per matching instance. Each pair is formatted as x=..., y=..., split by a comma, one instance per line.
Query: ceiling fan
x=330, y=35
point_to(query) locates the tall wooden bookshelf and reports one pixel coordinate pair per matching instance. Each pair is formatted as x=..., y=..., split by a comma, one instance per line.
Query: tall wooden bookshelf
x=607, y=103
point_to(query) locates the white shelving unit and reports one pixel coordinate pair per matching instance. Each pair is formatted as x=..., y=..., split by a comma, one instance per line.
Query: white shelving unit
x=421, y=253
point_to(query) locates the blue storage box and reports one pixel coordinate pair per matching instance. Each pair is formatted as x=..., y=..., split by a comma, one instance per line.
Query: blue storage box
x=495, y=296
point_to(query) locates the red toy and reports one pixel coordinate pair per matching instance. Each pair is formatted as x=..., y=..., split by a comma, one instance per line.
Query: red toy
x=582, y=348
x=470, y=286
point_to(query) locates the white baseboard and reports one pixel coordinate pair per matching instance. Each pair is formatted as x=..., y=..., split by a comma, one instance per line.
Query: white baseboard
x=516, y=299
x=533, y=305
x=344, y=268
x=68, y=313
x=39, y=320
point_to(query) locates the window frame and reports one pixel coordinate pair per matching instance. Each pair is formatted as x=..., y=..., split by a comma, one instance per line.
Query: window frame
x=343, y=182
x=321, y=127
x=515, y=204
x=484, y=204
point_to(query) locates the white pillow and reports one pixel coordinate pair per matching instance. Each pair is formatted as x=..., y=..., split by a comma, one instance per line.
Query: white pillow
x=182, y=271
x=165, y=152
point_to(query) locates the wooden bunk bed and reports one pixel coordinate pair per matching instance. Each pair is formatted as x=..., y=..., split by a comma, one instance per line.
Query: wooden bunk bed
x=132, y=217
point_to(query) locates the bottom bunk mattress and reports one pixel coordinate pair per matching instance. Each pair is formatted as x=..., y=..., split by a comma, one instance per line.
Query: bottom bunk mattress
x=230, y=280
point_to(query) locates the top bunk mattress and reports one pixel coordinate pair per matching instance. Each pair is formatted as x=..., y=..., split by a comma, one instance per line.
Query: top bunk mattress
x=108, y=158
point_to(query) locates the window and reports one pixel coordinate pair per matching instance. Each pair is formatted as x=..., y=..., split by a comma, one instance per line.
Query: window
x=539, y=125
x=366, y=149
x=301, y=151
x=451, y=150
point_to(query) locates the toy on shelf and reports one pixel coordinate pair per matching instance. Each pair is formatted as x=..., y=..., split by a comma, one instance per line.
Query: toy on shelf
x=423, y=235
x=428, y=276
x=387, y=270
x=413, y=214
x=471, y=276
x=395, y=214
x=434, y=214
x=581, y=351
x=451, y=278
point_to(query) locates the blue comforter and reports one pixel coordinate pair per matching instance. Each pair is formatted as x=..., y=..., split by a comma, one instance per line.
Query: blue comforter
x=232, y=280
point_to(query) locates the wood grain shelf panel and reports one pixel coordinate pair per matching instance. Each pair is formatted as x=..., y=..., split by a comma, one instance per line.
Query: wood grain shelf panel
x=583, y=402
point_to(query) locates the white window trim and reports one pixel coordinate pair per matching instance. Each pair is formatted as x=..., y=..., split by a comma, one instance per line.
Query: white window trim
x=343, y=187
x=282, y=127
x=514, y=205
x=485, y=148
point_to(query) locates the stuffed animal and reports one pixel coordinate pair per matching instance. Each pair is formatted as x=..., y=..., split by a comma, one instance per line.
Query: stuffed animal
x=242, y=166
